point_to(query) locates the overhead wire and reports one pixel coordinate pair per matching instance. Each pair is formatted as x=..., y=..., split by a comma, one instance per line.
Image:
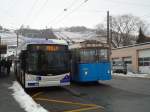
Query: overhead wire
x=55, y=20
x=7, y=11
x=70, y=12
x=62, y=12
x=39, y=12
x=30, y=11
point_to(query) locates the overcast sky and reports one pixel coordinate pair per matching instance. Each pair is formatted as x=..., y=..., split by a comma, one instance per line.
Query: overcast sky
x=63, y=13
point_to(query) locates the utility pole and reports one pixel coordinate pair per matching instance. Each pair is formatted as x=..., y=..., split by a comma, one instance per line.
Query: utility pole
x=17, y=34
x=0, y=49
x=0, y=54
x=17, y=38
x=110, y=40
x=107, y=27
x=108, y=34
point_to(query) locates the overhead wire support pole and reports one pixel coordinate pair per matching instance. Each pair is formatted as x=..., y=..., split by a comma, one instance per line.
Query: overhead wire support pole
x=17, y=34
x=0, y=48
x=107, y=27
x=0, y=54
x=110, y=40
x=17, y=38
x=108, y=32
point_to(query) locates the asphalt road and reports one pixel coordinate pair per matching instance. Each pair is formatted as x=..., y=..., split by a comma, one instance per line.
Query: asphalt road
x=133, y=95
x=58, y=99
x=119, y=94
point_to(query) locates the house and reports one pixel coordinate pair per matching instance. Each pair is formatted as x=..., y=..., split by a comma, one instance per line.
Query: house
x=137, y=57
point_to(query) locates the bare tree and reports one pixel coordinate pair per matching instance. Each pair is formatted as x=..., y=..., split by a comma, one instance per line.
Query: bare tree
x=100, y=29
x=124, y=29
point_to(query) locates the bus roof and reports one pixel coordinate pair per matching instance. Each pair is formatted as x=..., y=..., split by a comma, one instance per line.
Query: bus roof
x=30, y=41
x=44, y=41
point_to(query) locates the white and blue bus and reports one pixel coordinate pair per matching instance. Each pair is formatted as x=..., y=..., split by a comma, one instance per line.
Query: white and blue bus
x=42, y=63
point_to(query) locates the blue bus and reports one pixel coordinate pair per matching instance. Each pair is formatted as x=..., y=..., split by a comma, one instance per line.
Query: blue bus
x=90, y=61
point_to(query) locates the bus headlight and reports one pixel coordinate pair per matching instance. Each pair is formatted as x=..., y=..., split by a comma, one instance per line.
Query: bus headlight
x=85, y=72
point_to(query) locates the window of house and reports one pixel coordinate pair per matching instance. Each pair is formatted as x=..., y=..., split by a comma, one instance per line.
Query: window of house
x=144, y=61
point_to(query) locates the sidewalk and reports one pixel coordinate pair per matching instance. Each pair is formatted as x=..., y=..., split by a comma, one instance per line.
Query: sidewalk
x=7, y=102
x=130, y=74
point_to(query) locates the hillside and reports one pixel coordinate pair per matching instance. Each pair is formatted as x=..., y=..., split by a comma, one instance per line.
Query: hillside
x=79, y=36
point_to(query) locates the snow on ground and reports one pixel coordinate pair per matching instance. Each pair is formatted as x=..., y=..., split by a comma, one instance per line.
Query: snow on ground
x=75, y=36
x=130, y=74
x=8, y=38
x=80, y=36
x=25, y=101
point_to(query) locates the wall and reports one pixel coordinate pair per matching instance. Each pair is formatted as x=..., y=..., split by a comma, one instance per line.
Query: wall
x=130, y=51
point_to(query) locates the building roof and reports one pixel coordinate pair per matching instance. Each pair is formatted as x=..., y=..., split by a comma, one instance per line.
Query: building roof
x=142, y=40
x=88, y=44
x=140, y=44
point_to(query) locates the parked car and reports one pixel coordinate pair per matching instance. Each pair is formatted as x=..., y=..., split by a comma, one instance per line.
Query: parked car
x=119, y=67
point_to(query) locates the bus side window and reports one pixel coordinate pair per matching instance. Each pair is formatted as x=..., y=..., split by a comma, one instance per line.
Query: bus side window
x=23, y=60
x=69, y=55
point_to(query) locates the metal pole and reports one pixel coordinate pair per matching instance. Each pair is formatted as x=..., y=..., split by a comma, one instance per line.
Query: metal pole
x=17, y=43
x=0, y=48
x=107, y=27
x=0, y=54
x=108, y=39
x=110, y=42
x=17, y=38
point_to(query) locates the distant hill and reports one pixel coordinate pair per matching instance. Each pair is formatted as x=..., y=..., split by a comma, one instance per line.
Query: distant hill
x=79, y=34
x=77, y=29
x=34, y=33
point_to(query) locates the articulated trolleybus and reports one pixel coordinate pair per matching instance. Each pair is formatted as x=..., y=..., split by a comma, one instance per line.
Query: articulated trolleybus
x=42, y=63
x=90, y=61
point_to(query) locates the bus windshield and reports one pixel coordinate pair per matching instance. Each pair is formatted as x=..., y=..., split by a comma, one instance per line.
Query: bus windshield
x=46, y=62
x=93, y=55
